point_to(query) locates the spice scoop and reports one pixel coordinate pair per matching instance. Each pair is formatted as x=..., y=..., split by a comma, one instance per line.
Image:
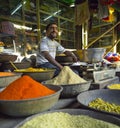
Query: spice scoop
x=13, y=65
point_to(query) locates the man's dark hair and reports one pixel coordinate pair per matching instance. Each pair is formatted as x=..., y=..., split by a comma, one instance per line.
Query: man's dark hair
x=50, y=25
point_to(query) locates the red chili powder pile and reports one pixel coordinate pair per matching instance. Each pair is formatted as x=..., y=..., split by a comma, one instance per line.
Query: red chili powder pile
x=25, y=88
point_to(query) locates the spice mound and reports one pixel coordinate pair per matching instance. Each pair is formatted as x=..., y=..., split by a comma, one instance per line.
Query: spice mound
x=33, y=70
x=2, y=74
x=65, y=120
x=100, y=104
x=114, y=86
x=65, y=77
x=25, y=88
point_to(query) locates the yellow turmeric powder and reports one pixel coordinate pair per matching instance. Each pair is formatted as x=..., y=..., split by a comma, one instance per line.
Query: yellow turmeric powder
x=24, y=88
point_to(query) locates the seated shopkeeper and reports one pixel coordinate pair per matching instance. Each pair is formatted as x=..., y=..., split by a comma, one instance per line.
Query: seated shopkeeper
x=49, y=47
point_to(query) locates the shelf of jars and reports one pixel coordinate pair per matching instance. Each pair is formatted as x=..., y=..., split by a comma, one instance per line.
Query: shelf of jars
x=30, y=19
x=56, y=8
x=27, y=17
x=97, y=31
x=13, y=20
x=69, y=25
x=105, y=42
x=2, y=35
x=101, y=24
x=57, y=12
x=67, y=35
x=97, y=28
x=67, y=44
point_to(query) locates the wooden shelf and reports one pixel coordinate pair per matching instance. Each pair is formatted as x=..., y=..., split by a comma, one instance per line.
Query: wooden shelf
x=102, y=25
x=98, y=28
x=6, y=35
x=32, y=17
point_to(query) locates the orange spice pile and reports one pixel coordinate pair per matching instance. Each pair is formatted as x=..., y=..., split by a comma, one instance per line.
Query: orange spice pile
x=6, y=74
x=24, y=88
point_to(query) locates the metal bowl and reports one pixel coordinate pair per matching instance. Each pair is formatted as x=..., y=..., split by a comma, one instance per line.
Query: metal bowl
x=95, y=115
x=111, y=96
x=64, y=59
x=91, y=55
x=6, y=57
x=73, y=90
x=30, y=106
x=6, y=80
x=40, y=76
x=94, y=54
x=19, y=65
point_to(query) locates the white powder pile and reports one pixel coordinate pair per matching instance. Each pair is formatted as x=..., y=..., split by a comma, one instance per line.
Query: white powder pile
x=66, y=77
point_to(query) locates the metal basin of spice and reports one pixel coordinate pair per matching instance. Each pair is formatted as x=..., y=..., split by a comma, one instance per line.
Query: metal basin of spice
x=71, y=82
x=72, y=90
x=30, y=106
x=38, y=74
x=110, y=97
x=6, y=80
x=70, y=118
x=114, y=86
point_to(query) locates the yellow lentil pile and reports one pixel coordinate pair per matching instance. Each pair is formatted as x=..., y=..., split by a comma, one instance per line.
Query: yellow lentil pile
x=65, y=120
x=32, y=70
x=114, y=86
x=105, y=106
x=66, y=77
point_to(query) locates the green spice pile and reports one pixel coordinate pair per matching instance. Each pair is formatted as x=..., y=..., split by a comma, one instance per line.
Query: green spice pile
x=65, y=120
x=100, y=104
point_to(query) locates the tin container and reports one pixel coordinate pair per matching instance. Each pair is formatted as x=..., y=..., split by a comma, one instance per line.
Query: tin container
x=91, y=55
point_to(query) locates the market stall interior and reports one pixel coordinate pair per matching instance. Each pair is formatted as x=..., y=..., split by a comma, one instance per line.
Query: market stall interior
x=92, y=66
x=94, y=39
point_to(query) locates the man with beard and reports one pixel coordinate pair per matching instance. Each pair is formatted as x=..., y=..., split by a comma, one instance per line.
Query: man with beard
x=49, y=47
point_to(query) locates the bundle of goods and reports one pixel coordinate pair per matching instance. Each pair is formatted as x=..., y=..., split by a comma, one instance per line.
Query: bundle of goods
x=112, y=57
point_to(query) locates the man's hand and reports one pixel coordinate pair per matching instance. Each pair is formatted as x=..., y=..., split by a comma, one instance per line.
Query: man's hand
x=69, y=53
x=75, y=59
x=52, y=60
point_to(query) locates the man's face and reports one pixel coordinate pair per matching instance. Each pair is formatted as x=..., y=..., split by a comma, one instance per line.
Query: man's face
x=52, y=31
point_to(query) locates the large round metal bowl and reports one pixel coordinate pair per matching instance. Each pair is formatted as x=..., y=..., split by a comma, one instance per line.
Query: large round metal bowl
x=73, y=90
x=19, y=65
x=6, y=80
x=111, y=96
x=39, y=76
x=91, y=55
x=6, y=57
x=64, y=58
x=30, y=106
x=94, y=54
x=95, y=115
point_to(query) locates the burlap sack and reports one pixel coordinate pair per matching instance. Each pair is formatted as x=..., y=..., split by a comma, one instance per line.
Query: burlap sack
x=82, y=13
